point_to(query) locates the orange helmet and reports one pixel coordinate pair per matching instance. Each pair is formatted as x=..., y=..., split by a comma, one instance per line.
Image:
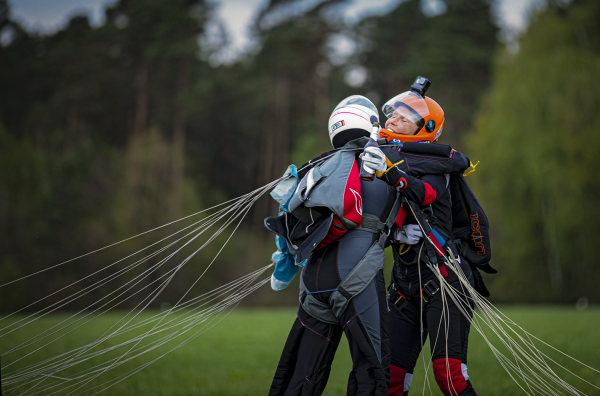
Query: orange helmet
x=423, y=111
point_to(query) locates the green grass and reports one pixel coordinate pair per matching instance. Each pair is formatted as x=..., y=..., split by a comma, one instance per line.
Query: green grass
x=239, y=356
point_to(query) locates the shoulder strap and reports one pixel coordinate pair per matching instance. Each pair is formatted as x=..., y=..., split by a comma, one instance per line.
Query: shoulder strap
x=387, y=226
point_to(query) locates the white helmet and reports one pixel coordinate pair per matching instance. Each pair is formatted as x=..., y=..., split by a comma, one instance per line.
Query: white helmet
x=351, y=119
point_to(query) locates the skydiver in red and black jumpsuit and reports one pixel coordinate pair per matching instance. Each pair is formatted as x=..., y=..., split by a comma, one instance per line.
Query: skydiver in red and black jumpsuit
x=412, y=118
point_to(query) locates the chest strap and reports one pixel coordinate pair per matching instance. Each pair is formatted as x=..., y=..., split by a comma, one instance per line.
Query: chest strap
x=372, y=222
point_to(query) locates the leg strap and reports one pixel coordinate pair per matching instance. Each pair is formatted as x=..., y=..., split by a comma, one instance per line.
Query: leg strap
x=357, y=280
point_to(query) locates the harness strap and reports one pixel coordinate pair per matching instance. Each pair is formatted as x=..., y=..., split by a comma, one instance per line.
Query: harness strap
x=431, y=254
x=429, y=289
x=317, y=309
x=385, y=234
x=358, y=279
x=372, y=222
x=406, y=309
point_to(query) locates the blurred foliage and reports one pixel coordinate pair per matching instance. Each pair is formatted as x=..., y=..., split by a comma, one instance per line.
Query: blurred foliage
x=109, y=131
x=454, y=50
x=537, y=137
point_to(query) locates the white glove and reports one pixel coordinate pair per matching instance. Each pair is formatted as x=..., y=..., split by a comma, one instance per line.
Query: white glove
x=373, y=160
x=409, y=234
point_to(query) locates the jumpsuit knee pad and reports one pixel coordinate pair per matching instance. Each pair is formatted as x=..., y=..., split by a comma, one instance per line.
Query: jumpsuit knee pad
x=448, y=374
x=400, y=381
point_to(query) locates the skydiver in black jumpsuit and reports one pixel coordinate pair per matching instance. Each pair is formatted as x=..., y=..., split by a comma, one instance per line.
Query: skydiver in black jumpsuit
x=448, y=331
x=413, y=117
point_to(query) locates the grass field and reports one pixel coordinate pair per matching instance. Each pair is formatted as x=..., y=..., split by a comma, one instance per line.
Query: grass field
x=239, y=356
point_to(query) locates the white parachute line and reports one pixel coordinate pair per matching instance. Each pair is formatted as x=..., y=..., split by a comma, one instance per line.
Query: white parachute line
x=164, y=275
x=455, y=266
x=517, y=366
x=13, y=362
x=104, y=280
x=120, y=272
x=213, y=260
x=264, y=190
x=541, y=384
x=34, y=369
x=254, y=278
x=502, y=339
x=193, y=337
x=500, y=358
x=105, y=304
x=539, y=364
x=40, y=372
x=118, y=303
x=116, y=243
x=220, y=309
x=421, y=329
x=521, y=356
x=167, y=281
x=209, y=296
x=569, y=371
x=52, y=341
x=170, y=278
x=146, y=272
x=147, y=364
x=446, y=319
x=508, y=320
x=212, y=238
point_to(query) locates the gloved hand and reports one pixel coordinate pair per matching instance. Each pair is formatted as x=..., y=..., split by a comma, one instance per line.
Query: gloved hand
x=409, y=234
x=373, y=160
x=395, y=177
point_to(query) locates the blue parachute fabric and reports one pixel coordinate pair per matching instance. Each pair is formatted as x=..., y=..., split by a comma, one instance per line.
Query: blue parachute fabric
x=284, y=190
x=285, y=267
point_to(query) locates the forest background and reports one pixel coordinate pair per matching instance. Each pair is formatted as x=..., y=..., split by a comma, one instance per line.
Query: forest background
x=112, y=130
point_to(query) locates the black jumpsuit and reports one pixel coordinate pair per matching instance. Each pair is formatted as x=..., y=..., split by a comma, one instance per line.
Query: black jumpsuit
x=447, y=326
x=306, y=360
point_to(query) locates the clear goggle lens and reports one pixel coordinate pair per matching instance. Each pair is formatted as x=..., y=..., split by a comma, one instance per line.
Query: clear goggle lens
x=410, y=105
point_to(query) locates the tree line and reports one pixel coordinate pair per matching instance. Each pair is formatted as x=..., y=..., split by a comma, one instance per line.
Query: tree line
x=112, y=130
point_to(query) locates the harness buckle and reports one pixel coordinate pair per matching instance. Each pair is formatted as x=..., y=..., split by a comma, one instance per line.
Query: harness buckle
x=429, y=290
x=395, y=296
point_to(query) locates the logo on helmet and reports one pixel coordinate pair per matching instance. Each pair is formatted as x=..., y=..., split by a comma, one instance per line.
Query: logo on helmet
x=438, y=133
x=337, y=125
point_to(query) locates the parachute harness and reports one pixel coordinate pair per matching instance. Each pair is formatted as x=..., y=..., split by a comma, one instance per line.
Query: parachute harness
x=529, y=366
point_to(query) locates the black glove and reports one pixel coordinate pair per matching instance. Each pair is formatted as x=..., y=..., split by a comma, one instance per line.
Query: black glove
x=395, y=178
